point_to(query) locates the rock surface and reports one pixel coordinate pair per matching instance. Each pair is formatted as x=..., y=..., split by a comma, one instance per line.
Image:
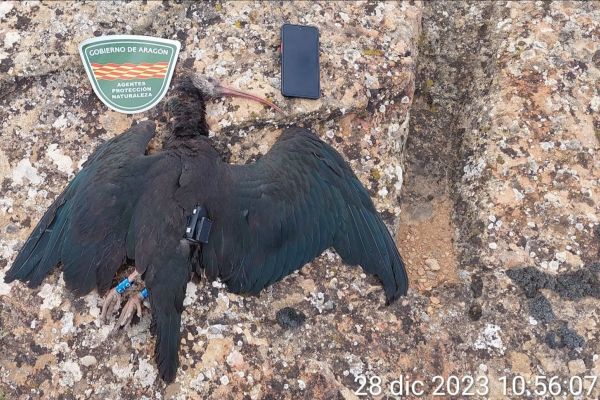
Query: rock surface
x=53, y=344
x=508, y=90
x=499, y=208
x=530, y=183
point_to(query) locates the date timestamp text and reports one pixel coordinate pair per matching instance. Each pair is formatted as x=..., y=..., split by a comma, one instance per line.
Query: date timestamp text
x=469, y=385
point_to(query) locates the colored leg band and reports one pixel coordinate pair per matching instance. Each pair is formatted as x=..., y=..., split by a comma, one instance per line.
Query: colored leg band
x=123, y=286
x=144, y=293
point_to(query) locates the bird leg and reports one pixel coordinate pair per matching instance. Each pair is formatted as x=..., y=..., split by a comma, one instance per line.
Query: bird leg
x=112, y=300
x=133, y=305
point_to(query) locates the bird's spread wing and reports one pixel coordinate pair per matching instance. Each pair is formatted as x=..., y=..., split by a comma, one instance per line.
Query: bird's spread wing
x=275, y=215
x=86, y=227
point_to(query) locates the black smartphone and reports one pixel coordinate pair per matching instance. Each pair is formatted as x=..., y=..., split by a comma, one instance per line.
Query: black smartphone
x=300, y=61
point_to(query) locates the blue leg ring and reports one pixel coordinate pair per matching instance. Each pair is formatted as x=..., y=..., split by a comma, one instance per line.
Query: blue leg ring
x=123, y=286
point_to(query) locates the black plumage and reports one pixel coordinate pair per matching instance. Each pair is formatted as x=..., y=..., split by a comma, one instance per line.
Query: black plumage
x=86, y=229
x=269, y=218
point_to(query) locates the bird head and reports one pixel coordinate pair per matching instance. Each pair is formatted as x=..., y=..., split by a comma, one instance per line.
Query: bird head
x=185, y=106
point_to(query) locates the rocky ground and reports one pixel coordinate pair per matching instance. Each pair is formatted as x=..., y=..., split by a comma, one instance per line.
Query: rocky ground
x=476, y=128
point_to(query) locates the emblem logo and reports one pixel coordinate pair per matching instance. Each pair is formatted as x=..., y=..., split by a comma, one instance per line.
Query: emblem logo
x=129, y=73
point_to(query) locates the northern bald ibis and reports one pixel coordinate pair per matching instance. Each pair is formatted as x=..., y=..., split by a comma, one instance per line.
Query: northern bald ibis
x=184, y=210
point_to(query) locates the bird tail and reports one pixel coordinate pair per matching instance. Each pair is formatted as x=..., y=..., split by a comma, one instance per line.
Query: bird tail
x=166, y=322
x=366, y=240
x=41, y=252
x=166, y=286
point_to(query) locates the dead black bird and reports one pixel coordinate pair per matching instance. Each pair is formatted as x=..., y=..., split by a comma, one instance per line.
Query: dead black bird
x=183, y=209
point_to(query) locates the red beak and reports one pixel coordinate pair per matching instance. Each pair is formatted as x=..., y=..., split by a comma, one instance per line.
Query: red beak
x=231, y=92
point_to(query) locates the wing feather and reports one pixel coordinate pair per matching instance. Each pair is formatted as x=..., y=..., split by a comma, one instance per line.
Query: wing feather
x=281, y=212
x=86, y=227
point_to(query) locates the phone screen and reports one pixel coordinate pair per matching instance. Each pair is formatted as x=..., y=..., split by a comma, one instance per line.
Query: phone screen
x=300, y=61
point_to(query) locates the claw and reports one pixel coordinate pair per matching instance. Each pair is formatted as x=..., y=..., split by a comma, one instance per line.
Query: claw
x=112, y=300
x=133, y=306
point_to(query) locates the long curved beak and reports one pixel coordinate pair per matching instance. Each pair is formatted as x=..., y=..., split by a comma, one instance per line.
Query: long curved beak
x=231, y=92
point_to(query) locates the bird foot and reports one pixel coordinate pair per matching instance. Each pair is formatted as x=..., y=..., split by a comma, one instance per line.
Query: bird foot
x=112, y=301
x=133, y=306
